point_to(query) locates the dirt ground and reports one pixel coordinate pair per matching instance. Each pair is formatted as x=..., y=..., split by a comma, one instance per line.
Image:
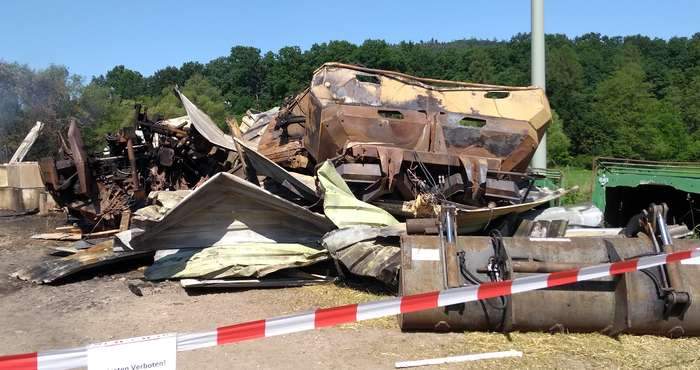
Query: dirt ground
x=99, y=306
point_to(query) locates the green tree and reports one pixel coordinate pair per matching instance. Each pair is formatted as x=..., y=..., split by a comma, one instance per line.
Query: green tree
x=333, y=51
x=126, y=83
x=26, y=96
x=481, y=67
x=103, y=112
x=630, y=96
x=164, y=78
x=377, y=54
x=287, y=73
x=240, y=77
x=558, y=143
x=631, y=122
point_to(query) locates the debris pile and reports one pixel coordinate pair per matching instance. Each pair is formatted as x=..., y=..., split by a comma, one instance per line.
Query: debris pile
x=417, y=183
x=173, y=154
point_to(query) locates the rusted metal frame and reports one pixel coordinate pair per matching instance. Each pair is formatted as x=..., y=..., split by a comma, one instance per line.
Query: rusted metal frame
x=504, y=189
x=477, y=173
x=248, y=169
x=422, y=226
x=163, y=129
x=391, y=160
x=132, y=163
x=444, y=159
x=360, y=172
x=80, y=159
x=49, y=174
x=476, y=168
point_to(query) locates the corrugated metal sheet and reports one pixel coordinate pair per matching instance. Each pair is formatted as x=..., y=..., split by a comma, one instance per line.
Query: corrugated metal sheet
x=226, y=210
x=238, y=260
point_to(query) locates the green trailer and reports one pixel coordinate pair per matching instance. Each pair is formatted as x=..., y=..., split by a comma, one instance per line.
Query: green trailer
x=623, y=187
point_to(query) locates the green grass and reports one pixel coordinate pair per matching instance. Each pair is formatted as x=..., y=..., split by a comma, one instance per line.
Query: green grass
x=580, y=177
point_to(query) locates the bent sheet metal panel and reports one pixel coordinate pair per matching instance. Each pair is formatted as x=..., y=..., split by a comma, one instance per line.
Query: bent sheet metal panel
x=264, y=166
x=341, y=206
x=226, y=210
x=204, y=124
x=471, y=220
x=365, y=250
x=52, y=270
x=254, y=125
x=238, y=260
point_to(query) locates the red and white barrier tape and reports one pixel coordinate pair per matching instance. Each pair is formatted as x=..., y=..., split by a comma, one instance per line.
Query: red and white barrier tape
x=324, y=317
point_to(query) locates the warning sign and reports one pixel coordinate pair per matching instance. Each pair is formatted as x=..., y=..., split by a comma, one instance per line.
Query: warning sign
x=157, y=352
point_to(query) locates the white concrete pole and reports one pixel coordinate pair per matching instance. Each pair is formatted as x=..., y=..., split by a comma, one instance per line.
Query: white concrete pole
x=537, y=75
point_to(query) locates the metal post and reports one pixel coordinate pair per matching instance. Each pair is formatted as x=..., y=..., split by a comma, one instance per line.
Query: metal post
x=539, y=160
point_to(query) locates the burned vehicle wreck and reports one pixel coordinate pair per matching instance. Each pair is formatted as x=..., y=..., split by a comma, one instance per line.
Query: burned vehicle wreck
x=399, y=140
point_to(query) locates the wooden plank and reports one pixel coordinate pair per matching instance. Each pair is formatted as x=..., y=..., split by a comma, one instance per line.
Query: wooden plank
x=233, y=126
x=63, y=251
x=125, y=220
x=27, y=143
x=57, y=236
x=68, y=229
x=102, y=234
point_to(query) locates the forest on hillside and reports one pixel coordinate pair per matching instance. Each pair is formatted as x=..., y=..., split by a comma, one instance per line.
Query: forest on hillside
x=633, y=97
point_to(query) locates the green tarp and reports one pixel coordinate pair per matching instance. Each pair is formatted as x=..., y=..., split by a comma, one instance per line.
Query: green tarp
x=227, y=261
x=341, y=206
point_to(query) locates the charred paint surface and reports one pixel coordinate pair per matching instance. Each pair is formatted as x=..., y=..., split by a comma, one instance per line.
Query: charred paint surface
x=433, y=122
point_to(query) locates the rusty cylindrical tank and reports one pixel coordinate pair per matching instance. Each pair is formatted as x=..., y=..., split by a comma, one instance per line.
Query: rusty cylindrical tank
x=629, y=303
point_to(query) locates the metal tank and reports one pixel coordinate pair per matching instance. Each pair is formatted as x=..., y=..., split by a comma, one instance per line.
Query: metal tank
x=639, y=302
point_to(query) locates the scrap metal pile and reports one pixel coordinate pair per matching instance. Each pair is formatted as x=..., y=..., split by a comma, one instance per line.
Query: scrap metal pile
x=368, y=173
x=169, y=154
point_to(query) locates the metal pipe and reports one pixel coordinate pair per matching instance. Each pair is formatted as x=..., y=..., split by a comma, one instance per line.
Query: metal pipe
x=449, y=246
x=675, y=279
x=537, y=75
x=132, y=163
x=540, y=266
x=449, y=224
x=663, y=229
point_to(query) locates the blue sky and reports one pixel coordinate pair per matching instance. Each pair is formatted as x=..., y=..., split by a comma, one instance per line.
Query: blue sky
x=91, y=36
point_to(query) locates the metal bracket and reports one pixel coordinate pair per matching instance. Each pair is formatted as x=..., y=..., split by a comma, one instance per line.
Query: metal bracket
x=676, y=303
